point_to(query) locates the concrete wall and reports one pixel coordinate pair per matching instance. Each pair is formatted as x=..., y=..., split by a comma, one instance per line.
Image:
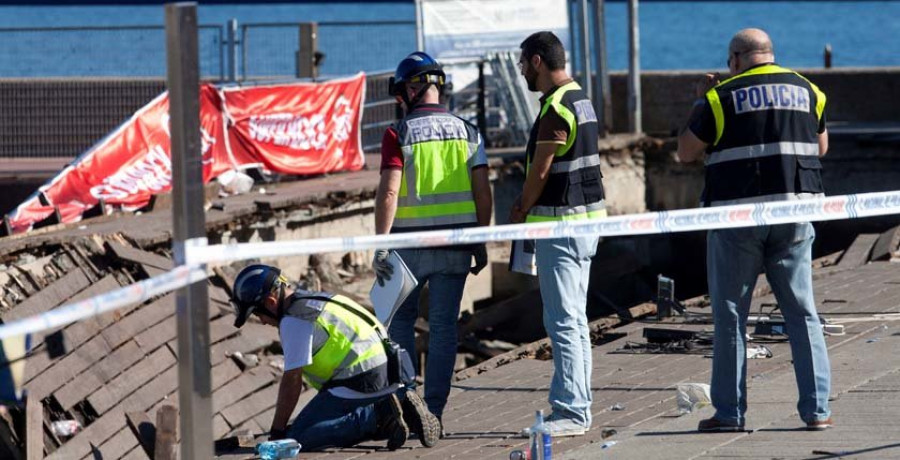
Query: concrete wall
x=854, y=95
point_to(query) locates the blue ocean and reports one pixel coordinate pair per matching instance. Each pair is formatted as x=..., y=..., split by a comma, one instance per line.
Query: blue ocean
x=373, y=36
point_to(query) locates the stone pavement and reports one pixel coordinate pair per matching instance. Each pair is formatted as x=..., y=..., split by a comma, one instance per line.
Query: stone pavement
x=486, y=412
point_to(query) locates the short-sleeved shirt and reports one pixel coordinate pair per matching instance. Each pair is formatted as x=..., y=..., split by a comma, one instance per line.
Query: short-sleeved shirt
x=297, y=342
x=552, y=127
x=392, y=155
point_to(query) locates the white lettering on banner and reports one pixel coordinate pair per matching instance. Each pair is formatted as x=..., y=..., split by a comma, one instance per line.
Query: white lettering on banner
x=341, y=119
x=288, y=130
x=152, y=173
x=778, y=96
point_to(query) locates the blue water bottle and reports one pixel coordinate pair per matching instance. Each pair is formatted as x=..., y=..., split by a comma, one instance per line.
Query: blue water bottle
x=275, y=450
x=541, y=442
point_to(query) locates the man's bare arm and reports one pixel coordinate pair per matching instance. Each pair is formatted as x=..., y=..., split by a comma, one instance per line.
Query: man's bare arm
x=386, y=200
x=481, y=193
x=288, y=394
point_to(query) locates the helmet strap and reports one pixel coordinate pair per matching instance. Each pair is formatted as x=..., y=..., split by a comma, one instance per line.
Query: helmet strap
x=410, y=104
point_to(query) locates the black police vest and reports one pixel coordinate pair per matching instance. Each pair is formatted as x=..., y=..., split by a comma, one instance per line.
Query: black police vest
x=766, y=145
x=574, y=188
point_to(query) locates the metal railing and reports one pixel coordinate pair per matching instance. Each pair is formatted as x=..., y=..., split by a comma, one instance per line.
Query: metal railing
x=100, y=51
x=269, y=50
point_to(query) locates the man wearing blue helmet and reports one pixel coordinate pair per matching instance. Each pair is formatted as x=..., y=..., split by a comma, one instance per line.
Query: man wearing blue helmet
x=339, y=348
x=433, y=176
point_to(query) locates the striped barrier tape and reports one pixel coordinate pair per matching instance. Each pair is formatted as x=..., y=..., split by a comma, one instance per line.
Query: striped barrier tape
x=141, y=291
x=684, y=220
x=198, y=254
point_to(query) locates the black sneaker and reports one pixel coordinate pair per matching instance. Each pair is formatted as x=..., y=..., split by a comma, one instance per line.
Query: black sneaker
x=390, y=423
x=713, y=424
x=420, y=420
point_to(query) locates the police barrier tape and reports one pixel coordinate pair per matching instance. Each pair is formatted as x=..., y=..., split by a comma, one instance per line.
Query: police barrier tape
x=685, y=220
x=180, y=276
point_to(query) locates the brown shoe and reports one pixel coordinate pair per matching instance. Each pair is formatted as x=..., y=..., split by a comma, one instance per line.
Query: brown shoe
x=389, y=422
x=712, y=425
x=420, y=420
x=819, y=425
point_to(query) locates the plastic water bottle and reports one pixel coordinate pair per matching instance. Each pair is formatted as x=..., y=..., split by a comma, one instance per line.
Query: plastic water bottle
x=541, y=443
x=520, y=455
x=274, y=450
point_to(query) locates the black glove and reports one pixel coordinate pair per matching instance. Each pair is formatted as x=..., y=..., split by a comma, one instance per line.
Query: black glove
x=275, y=434
x=481, y=259
x=383, y=268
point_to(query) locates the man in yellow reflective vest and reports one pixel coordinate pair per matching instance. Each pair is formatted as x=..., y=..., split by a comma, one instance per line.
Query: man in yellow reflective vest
x=563, y=182
x=434, y=176
x=338, y=347
x=763, y=131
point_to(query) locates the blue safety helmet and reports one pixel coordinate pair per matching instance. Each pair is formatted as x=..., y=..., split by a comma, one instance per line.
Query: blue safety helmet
x=418, y=67
x=252, y=285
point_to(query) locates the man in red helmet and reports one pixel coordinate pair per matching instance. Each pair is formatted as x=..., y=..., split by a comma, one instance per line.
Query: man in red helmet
x=434, y=176
x=339, y=348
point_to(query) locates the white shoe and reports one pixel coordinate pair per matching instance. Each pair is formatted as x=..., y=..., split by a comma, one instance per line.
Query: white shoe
x=560, y=428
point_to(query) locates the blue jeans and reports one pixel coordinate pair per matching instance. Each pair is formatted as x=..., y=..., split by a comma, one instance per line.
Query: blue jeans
x=564, y=268
x=329, y=421
x=445, y=273
x=735, y=257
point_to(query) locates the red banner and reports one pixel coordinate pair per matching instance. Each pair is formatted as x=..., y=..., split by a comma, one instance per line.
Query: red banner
x=290, y=129
x=301, y=128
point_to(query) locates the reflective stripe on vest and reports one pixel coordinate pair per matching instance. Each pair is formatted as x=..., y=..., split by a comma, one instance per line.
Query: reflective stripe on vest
x=712, y=96
x=352, y=346
x=545, y=213
x=763, y=150
x=436, y=182
x=574, y=190
x=766, y=145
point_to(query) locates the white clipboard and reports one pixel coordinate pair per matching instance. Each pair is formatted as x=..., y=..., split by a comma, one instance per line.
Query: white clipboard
x=521, y=257
x=388, y=298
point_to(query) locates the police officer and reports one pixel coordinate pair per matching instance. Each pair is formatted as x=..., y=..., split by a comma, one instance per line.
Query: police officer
x=763, y=131
x=433, y=176
x=563, y=182
x=336, y=346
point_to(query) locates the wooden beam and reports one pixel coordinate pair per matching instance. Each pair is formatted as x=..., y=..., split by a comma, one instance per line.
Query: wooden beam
x=34, y=428
x=166, y=433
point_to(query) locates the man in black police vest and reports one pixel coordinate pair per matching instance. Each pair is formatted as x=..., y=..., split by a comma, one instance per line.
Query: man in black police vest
x=763, y=131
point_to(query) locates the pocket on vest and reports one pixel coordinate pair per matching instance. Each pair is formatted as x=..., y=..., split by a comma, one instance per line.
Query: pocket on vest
x=809, y=176
x=584, y=187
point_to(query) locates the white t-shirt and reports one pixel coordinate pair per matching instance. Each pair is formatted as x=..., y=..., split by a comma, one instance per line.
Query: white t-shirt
x=297, y=342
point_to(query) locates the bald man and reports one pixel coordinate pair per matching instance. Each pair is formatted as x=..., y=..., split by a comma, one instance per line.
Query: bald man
x=761, y=132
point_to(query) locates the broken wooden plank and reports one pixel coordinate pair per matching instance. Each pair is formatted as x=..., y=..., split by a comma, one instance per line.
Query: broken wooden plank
x=143, y=429
x=857, y=254
x=223, y=373
x=166, y=433
x=146, y=316
x=49, y=297
x=118, y=445
x=94, y=434
x=220, y=426
x=94, y=377
x=887, y=243
x=140, y=257
x=67, y=368
x=240, y=387
x=130, y=380
x=250, y=406
x=34, y=428
x=78, y=333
